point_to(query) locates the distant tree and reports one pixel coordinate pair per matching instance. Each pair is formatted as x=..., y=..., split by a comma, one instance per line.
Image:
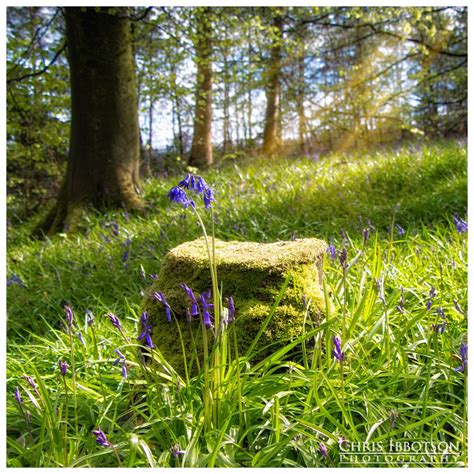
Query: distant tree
x=272, y=78
x=103, y=164
x=201, y=150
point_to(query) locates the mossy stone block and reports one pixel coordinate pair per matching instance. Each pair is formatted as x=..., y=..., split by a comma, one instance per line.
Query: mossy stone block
x=253, y=274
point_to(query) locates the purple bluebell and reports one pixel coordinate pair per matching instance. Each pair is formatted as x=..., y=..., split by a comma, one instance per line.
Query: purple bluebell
x=100, y=437
x=342, y=440
x=231, y=308
x=63, y=367
x=337, y=351
x=176, y=450
x=331, y=251
x=400, y=229
x=323, y=450
x=461, y=225
x=439, y=328
x=176, y=194
x=15, y=280
x=81, y=339
x=69, y=316
x=343, y=234
x=124, y=257
x=90, y=317
x=201, y=185
x=160, y=298
x=31, y=383
x=204, y=300
x=18, y=396
x=115, y=321
x=366, y=234
x=147, y=330
x=458, y=307
x=154, y=276
x=190, y=294
x=463, y=353
x=343, y=257
x=121, y=359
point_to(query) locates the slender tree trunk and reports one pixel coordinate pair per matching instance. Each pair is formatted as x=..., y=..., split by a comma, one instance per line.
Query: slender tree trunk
x=271, y=143
x=104, y=154
x=201, y=150
x=249, y=87
x=227, y=141
x=300, y=96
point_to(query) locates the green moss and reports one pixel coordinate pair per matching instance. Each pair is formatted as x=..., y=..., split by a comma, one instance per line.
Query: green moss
x=253, y=274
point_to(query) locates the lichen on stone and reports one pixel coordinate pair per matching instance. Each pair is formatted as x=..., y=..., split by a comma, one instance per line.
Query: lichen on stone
x=253, y=274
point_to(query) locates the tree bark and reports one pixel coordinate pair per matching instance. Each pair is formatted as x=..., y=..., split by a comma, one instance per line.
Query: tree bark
x=201, y=149
x=271, y=143
x=104, y=156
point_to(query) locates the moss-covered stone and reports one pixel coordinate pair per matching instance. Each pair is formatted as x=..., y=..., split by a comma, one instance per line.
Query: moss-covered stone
x=253, y=273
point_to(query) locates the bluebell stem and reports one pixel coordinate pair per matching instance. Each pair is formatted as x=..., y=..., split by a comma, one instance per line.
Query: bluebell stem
x=463, y=353
x=115, y=321
x=158, y=295
x=100, y=437
x=63, y=367
x=337, y=351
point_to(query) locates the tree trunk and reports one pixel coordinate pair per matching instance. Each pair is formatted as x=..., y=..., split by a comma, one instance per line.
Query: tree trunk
x=271, y=143
x=201, y=149
x=300, y=96
x=104, y=157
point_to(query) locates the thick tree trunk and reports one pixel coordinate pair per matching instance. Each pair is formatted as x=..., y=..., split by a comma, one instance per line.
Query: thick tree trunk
x=201, y=149
x=104, y=157
x=271, y=143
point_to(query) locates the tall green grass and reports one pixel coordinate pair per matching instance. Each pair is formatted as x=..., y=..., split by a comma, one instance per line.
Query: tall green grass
x=396, y=384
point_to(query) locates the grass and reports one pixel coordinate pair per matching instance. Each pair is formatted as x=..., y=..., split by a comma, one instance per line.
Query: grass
x=397, y=383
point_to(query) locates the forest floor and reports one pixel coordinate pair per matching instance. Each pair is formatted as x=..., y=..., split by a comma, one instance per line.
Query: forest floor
x=401, y=296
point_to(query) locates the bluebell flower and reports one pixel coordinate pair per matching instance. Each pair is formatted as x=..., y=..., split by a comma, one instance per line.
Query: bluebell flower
x=400, y=229
x=90, y=317
x=18, y=396
x=231, y=308
x=176, y=450
x=159, y=297
x=323, y=450
x=176, y=194
x=31, y=383
x=203, y=299
x=463, y=353
x=201, y=185
x=69, y=316
x=121, y=359
x=343, y=257
x=337, y=351
x=63, y=367
x=461, y=225
x=147, y=330
x=366, y=234
x=331, y=251
x=100, y=437
x=115, y=321
x=15, y=280
x=208, y=197
x=190, y=294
